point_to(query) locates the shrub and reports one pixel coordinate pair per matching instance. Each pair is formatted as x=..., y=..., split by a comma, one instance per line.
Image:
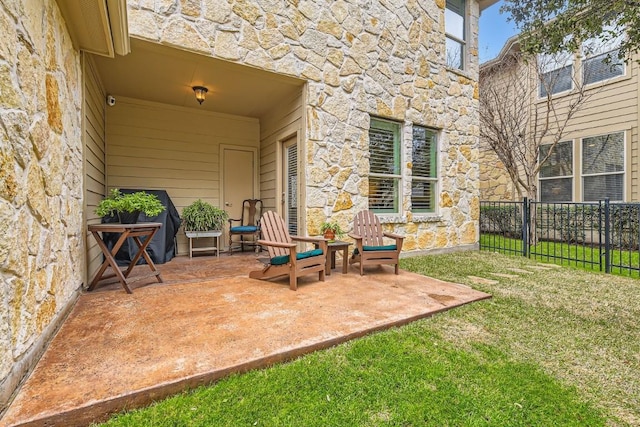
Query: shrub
x=141, y=201
x=203, y=216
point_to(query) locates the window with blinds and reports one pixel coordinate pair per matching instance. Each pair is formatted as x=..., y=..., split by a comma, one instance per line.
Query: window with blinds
x=603, y=167
x=601, y=55
x=556, y=173
x=556, y=73
x=384, y=166
x=424, y=173
x=292, y=189
x=602, y=67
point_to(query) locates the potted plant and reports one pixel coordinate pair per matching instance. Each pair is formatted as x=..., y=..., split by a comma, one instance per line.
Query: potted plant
x=128, y=206
x=201, y=216
x=331, y=230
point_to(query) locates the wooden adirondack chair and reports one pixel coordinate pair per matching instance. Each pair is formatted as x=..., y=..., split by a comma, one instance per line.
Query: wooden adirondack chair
x=283, y=254
x=370, y=246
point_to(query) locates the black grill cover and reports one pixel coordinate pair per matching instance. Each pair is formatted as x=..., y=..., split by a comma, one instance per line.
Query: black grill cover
x=162, y=247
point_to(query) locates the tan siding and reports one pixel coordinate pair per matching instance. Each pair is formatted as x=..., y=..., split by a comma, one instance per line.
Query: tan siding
x=94, y=157
x=635, y=167
x=611, y=107
x=160, y=147
x=635, y=134
x=285, y=120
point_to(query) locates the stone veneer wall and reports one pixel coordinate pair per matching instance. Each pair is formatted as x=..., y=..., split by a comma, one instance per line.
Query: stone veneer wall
x=360, y=58
x=495, y=184
x=41, y=255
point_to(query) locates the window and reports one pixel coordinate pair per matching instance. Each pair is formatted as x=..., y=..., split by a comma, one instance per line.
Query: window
x=556, y=73
x=601, y=56
x=384, y=166
x=425, y=170
x=603, y=167
x=598, y=68
x=454, y=24
x=556, y=174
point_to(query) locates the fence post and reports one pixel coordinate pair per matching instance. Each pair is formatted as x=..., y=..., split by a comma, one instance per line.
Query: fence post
x=607, y=237
x=525, y=227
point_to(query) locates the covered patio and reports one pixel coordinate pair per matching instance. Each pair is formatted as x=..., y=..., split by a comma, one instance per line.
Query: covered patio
x=119, y=351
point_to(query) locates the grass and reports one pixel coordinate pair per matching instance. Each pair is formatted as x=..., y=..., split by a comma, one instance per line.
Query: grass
x=557, y=347
x=567, y=254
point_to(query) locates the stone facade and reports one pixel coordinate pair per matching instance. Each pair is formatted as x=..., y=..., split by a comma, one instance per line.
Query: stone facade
x=41, y=216
x=361, y=58
x=495, y=184
x=382, y=58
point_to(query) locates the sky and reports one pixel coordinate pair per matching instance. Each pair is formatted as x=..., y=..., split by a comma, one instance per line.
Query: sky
x=494, y=32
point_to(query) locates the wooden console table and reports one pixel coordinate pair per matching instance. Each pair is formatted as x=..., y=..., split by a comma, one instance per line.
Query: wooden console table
x=143, y=229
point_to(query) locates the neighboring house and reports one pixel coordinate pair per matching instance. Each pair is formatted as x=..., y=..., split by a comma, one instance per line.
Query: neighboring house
x=320, y=108
x=598, y=155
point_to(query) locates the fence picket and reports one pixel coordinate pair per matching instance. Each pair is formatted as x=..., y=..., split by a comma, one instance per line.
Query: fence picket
x=599, y=235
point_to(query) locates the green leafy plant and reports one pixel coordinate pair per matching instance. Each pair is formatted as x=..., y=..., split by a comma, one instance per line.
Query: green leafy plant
x=203, y=216
x=329, y=226
x=505, y=220
x=117, y=202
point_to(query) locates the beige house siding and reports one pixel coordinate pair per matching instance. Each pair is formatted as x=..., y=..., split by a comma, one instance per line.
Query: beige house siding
x=611, y=106
x=161, y=147
x=41, y=174
x=95, y=174
x=284, y=121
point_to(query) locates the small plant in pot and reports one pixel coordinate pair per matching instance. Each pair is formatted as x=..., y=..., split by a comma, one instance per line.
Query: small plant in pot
x=128, y=206
x=331, y=230
x=200, y=217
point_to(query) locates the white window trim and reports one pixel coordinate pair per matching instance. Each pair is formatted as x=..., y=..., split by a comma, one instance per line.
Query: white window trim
x=572, y=176
x=548, y=63
x=561, y=93
x=624, y=75
x=577, y=188
x=610, y=46
x=624, y=163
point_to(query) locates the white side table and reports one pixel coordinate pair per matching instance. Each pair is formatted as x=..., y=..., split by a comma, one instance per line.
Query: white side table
x=201, y=234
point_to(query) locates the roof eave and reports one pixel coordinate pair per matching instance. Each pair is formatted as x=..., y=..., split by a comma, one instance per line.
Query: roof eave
x=97, y=26
x=486, y=3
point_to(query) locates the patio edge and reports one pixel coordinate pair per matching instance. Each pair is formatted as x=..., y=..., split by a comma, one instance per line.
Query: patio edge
x=103, y=410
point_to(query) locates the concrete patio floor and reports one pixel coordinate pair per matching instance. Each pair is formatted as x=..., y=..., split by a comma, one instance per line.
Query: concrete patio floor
x=208, y=320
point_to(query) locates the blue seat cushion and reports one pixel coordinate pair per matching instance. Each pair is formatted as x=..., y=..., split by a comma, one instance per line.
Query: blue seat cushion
x=283, y=259
x=376, y=248
x=244, y=229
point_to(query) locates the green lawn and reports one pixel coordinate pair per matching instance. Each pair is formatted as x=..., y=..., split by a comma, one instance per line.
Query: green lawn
x=566, y=254
x=557, y=347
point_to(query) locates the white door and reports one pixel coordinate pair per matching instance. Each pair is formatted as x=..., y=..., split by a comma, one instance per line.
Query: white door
x=239, y=180
x=290, y=184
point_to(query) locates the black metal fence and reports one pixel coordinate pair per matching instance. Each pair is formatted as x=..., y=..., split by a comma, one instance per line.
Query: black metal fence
x=602, y=235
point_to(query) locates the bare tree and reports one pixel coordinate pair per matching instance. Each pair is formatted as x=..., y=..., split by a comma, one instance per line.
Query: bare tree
x=519, y=112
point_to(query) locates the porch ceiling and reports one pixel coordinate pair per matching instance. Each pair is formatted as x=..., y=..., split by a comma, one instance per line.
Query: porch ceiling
x=164, y=74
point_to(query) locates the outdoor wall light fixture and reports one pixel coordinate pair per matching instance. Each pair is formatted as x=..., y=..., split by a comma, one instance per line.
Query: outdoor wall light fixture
x=200, y=92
